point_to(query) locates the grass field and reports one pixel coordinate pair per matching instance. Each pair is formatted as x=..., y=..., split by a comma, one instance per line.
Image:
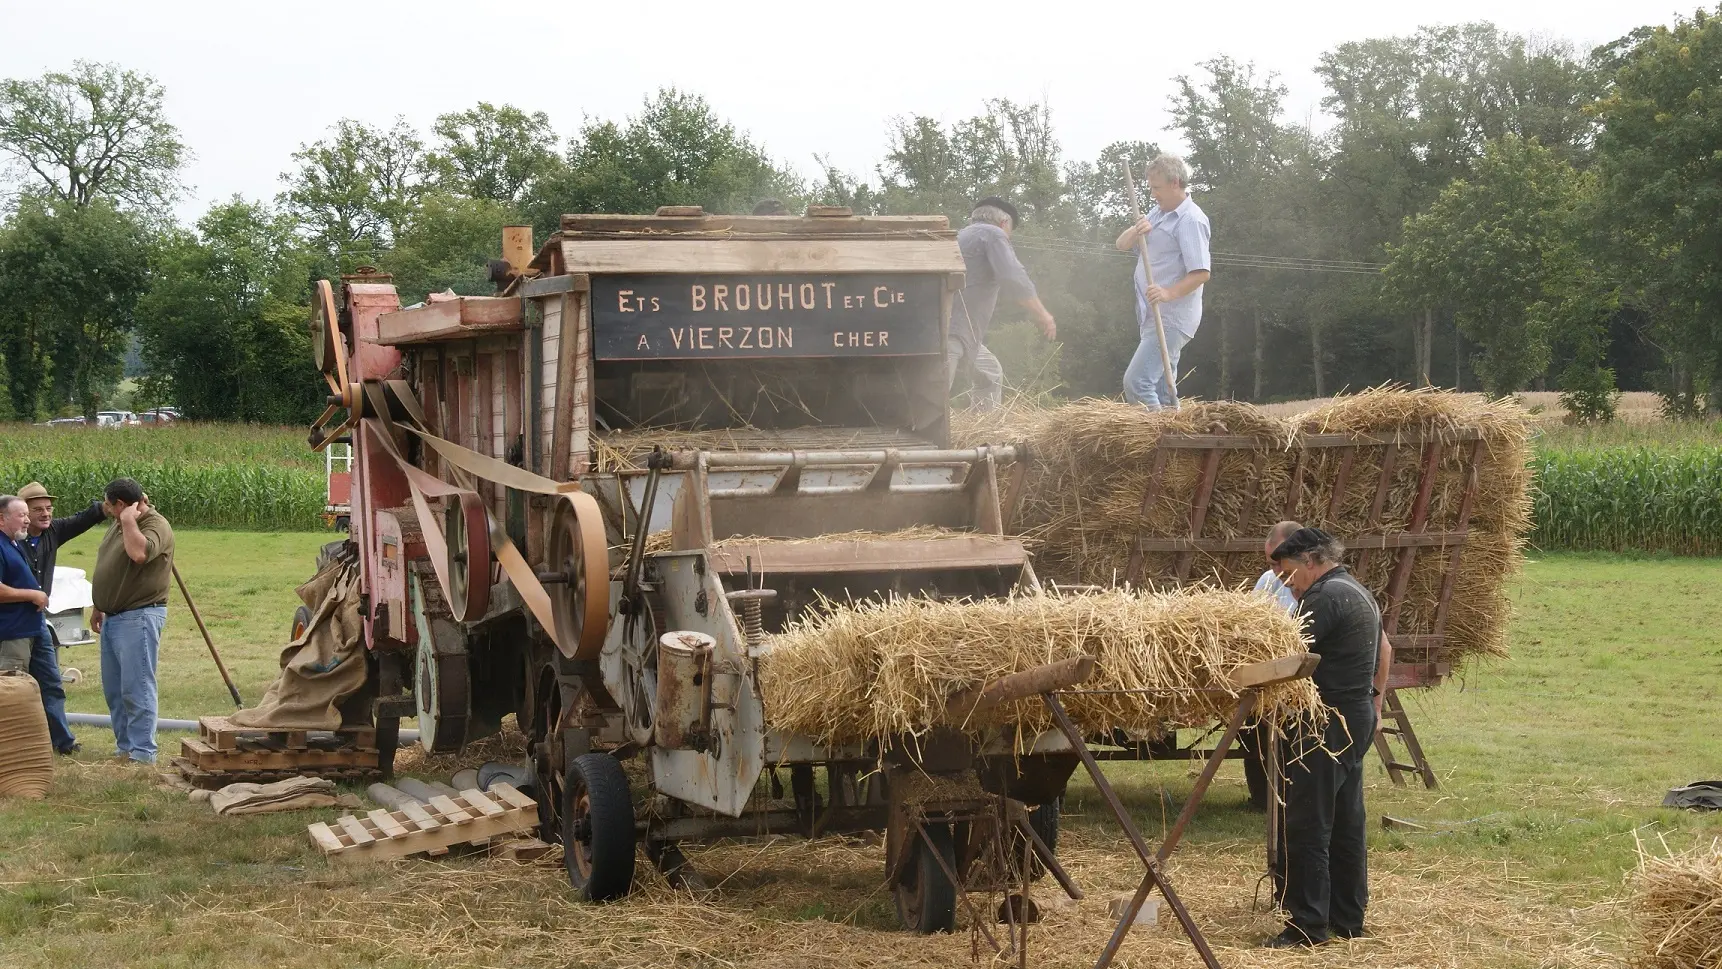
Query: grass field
x=1551, y=765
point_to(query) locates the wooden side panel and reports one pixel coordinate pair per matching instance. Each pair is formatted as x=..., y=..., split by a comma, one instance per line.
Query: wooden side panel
x=552, y=353
x=579, y=443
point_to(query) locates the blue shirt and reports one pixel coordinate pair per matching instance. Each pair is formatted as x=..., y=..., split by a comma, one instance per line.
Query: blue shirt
x=1273, y=585
x=18, y=620
x=1177, y=247
x=990, y=265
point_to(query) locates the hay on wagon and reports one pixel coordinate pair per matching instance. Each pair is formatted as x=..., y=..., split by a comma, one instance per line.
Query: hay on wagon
x=1091, y=462
x=877, y=671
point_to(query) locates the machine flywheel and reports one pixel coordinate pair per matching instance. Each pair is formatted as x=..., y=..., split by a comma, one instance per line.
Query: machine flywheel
x=466, y=531
x=579, y=578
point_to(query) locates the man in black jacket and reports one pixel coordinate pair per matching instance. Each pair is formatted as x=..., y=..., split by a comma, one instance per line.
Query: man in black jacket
x=42, y=547
x=1322, y=873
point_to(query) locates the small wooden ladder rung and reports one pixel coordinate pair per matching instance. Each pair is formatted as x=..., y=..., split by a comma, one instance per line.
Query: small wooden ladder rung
x=1396, y=722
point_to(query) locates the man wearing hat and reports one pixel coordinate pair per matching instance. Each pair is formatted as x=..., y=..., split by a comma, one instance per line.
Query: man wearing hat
x=1322, y=873
x=990, y=266
x=42, y=546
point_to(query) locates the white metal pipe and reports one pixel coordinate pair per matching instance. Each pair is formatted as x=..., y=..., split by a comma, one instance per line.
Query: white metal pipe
x=408, y=736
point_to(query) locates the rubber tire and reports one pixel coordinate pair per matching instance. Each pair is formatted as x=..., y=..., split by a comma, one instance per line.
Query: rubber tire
x=301, y=619
x=938, y=895
x=327, y=553
x=610, y=813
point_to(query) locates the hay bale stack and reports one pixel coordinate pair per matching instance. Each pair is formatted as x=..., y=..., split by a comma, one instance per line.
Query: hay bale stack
x=1677, y=905
x=881, y=670
x=1091, y=459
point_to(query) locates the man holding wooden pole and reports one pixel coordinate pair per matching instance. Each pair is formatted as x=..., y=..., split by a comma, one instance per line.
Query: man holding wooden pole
x=1172, y=265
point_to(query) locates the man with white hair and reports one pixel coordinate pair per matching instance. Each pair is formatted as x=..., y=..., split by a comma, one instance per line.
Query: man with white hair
x=1177, y=231
x=21, y=597
x=990, y=266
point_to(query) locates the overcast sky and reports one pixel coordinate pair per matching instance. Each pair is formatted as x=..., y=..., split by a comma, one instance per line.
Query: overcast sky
x=248, y=83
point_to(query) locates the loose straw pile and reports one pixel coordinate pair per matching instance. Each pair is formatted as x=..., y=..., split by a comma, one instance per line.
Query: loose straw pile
x=1677, y=904
x=1092, y=459
x=883, y=670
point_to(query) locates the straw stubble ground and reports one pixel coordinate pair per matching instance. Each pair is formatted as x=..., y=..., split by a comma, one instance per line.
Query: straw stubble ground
x=1551, y=766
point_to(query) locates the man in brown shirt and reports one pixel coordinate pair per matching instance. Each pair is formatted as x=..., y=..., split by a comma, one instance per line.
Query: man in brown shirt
x=134, y=567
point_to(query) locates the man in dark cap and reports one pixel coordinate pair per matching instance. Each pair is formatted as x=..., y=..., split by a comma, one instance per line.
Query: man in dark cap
x=990, y=266
x=42, y=548
x=1322, y=869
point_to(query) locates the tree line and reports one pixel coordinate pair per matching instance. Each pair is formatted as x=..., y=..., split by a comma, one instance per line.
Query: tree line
x=1484, y=210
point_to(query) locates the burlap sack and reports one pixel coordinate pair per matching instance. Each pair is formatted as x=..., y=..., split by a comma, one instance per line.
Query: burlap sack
x=324, y=666
x=26, y=755
x=293, y=794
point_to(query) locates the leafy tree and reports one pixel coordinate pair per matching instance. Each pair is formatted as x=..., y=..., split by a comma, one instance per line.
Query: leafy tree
x=223, y=324
x=96, y=131
x=447, y=244
x=70, y=278
x=676, y=151
x=1502, y=247
x=492, y=153
x=1660, y=157
x=353, y=191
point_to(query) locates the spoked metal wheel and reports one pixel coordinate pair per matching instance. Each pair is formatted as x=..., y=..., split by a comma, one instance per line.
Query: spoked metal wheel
x=598, y=828
x=549, y=759
x=926, y=898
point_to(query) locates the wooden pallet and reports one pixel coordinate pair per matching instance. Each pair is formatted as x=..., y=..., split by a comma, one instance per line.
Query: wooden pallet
x=216, y=779
x=218, y=733
x=472, y=817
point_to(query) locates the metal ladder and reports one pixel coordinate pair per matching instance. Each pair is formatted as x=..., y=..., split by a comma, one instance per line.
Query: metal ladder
x=1395, y=722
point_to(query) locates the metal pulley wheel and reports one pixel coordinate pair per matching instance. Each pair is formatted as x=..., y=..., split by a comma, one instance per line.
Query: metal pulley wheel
x=466, y=531
x=442, y=682
x=579, y=578
x=325, y=328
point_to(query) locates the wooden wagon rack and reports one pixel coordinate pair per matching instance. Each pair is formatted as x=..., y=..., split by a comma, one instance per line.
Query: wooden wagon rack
x=1419, y=660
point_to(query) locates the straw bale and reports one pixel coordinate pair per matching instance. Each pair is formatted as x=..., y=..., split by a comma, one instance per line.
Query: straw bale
x=1677, y=906
x=881, y=670
x=1089, y=472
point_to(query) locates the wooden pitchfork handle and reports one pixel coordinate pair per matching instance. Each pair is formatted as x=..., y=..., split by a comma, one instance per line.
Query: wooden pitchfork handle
x=231, y=689
x=1148, y=272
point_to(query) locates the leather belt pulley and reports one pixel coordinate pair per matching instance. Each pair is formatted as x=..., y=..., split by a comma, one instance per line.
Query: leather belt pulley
x=577, y=616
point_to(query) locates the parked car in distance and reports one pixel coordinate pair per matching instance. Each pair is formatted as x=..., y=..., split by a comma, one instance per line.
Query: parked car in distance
x=160, y=415
x=115, y=418
x=66, y=422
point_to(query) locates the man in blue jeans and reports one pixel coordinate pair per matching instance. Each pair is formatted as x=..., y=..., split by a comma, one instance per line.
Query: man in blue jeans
x=1177, y=231
x=134, y=567
x=42, y=548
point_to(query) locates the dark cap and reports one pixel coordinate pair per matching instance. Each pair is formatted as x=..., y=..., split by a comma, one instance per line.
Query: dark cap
x=1001, y=205
x=1301, y=541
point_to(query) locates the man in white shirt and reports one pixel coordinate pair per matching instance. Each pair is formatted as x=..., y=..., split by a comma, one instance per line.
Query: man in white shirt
x=1270, y=583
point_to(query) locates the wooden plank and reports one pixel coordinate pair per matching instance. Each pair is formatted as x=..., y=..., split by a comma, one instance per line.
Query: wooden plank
x=1294, y=491
x=1408, y=555
x=217, y=733
x=555, y=285
x=436, y=842
x=562, y=420
x=747, y=256
x=729, y=226
x=1150, y=495
x=355, y=831
x=324, y=838
x=870, y=556
x=1216, y=546
x=1389, y=457
x=580, y=430
x=1241, y=442
x=484, y=404
x=309, y=759
x=1341, y=482
x=417, y=815
x=387, y=824
x=1199, y=510
x=1448, y=577
x=476, y=799
x=455, y=319
x=450, y=811
x=512, y=797
x=1293, y=667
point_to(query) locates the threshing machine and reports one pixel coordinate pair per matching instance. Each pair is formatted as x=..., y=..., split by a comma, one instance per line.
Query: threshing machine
x=745, y=385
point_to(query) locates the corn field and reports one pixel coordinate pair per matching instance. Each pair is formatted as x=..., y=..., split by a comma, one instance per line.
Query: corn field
x=249, y=497
x=1654, y=499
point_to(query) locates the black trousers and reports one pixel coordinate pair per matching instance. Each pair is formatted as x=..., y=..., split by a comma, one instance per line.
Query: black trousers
x=1322, y=873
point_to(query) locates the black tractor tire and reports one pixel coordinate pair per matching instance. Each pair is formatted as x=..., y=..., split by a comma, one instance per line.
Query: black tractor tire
x=327, y=553
x=301, y=620
x=598, y=828
x=926, y=898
